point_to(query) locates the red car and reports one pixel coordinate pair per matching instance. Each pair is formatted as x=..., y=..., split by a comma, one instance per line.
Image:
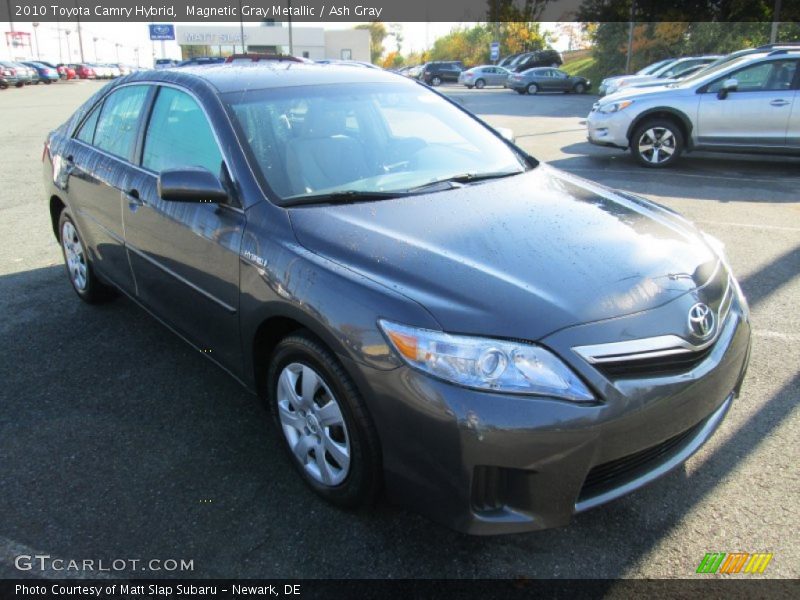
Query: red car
x=84, y=71
x=66, y=72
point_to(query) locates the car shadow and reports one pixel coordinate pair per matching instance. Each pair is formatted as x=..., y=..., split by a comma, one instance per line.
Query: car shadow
x=699, y=175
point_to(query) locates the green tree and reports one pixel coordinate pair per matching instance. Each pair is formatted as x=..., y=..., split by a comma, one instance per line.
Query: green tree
x=377, y=33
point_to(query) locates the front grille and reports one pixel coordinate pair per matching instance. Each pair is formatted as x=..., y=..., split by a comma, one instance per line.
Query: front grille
x=662, y=365
x=622, y=470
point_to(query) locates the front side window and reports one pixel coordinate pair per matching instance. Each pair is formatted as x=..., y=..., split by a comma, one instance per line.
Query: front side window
x=375, y=137
x=118, y=122
x=179, y=135
x=761, y=77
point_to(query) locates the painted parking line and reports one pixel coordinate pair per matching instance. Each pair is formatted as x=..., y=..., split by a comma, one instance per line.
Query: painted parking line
x=777, y=335
x=750, y=225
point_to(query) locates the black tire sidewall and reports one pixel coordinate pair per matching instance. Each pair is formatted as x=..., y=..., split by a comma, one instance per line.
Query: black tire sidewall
x=362, y=482
x=676, y=132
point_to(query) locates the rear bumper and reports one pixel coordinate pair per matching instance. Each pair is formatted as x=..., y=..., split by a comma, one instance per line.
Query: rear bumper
x=487, y=463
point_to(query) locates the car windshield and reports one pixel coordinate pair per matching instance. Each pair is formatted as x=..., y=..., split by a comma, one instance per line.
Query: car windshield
x=353, y=140
x=651, y=68
x=709, y=71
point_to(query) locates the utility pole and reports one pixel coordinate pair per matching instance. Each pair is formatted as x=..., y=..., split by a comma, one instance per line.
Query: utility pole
x=241, y=29
x=118, y=45
x=773, y=36
x=69, y=49
x=94, y=45
x=291, y=45
x=36, y=38
x=630, y=38
x=80, y=35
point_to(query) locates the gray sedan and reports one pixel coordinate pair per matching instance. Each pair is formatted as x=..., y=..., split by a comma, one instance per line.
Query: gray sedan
x=480, y=77
x=547, y=79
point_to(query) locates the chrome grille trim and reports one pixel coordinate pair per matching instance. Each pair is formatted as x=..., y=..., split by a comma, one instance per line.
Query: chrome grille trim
x=655, y=347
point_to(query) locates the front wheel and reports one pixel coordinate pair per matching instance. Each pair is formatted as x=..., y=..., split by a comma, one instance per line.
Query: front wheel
x=657, y=144
x=579, y=88
x=326, y=429
x=79, y=269
x=532, y=89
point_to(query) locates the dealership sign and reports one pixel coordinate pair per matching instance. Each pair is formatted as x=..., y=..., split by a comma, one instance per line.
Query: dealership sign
x=162, y=31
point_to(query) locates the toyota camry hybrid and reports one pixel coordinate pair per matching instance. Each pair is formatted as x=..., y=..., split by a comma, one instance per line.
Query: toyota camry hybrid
x=426, y=309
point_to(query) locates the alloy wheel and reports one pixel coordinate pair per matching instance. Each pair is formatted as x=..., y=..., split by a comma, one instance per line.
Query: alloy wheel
x=75, y=256
x=313, y=424
x=656, y=145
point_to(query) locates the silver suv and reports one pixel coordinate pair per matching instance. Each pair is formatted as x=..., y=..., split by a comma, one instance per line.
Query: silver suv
x=748, y=104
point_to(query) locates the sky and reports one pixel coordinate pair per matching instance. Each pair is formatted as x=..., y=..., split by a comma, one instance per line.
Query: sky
x=104, y=37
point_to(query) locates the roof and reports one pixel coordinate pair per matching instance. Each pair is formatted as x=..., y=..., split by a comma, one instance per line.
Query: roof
x=262, y=75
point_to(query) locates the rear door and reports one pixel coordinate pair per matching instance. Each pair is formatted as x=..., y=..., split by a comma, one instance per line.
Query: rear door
x=98, y=163
x=185, y=255
x=757, y=114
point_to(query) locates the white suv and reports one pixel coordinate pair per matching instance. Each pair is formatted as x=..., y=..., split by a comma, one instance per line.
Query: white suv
x=747, y=104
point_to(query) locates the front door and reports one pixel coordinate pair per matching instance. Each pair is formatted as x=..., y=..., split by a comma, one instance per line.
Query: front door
x=757, y=113
x=185, y=255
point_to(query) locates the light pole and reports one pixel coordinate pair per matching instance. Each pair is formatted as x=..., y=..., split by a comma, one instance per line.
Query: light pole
x=136, y=52
x=69, y=50
x=118, y=45
x=773, y=35
x=94, y=45
x=291, y=45
x=36, y=37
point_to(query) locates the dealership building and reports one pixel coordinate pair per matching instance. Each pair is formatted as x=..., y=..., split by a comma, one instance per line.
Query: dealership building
x=274, y=37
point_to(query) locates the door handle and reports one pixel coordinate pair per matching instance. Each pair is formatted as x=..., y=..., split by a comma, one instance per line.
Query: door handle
x=134, y=201
x=779, y=102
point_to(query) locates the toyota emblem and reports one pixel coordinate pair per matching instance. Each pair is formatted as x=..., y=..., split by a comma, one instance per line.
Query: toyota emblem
x=701, y=320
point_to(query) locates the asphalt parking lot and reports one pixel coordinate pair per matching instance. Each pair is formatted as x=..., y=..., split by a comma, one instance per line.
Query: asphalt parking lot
x=117, y=441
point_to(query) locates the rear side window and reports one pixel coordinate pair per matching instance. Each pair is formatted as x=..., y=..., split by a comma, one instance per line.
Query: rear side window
x=179, y=135
x=119, y=119
x=86, y=132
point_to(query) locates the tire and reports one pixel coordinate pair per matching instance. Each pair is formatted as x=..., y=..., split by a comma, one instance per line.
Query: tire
x=657, y=143
x=480, y=84
x=521, y=92
x=532, y=89
x=579, y=88
x=296, y=360
x=469, y=87
x=436, y=80
x=76, y=261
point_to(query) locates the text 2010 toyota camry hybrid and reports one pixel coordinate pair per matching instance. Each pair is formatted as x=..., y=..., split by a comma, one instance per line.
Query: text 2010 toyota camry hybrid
x=426, y=309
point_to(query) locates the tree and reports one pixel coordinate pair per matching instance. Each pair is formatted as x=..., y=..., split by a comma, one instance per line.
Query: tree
x=377, y=33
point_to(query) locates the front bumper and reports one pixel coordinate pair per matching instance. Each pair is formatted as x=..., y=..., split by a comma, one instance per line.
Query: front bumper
x=486, y=463
x=608, y=129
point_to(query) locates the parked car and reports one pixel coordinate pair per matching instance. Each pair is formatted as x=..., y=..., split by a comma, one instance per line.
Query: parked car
x=437, y=72
x=45, y=73
x=27, y=75
x=546, y=79
x=649, y=69
x=480, y=77
x=506, y=62
x=84, y=71
x=538, y=58
x=748, y=104
x=199, y=61
x=21, y=72
x=55, y=67
x=166, y=63
x=667, y=81
x=66, y=71
x=668, y=71
x=425, y=307
x=8, y=75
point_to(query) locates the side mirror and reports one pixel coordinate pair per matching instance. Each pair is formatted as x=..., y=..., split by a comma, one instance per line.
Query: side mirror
x=729, y=85
x=193, y=184
x=506, y=133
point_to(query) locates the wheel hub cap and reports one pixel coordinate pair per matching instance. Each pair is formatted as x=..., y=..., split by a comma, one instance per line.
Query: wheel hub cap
x=313, y=424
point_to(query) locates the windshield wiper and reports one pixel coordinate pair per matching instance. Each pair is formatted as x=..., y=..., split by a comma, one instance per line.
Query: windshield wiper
x=342, y=197
x=463, y=178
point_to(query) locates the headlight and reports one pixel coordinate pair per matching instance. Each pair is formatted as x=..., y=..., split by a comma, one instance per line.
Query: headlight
x=613, y=107
x=486, y=364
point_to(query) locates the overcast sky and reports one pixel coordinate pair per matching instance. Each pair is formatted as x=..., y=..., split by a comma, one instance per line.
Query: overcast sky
x=417, y=37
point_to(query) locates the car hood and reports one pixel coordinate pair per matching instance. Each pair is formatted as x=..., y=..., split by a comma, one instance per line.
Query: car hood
x=519, y=257
x=641, y=92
